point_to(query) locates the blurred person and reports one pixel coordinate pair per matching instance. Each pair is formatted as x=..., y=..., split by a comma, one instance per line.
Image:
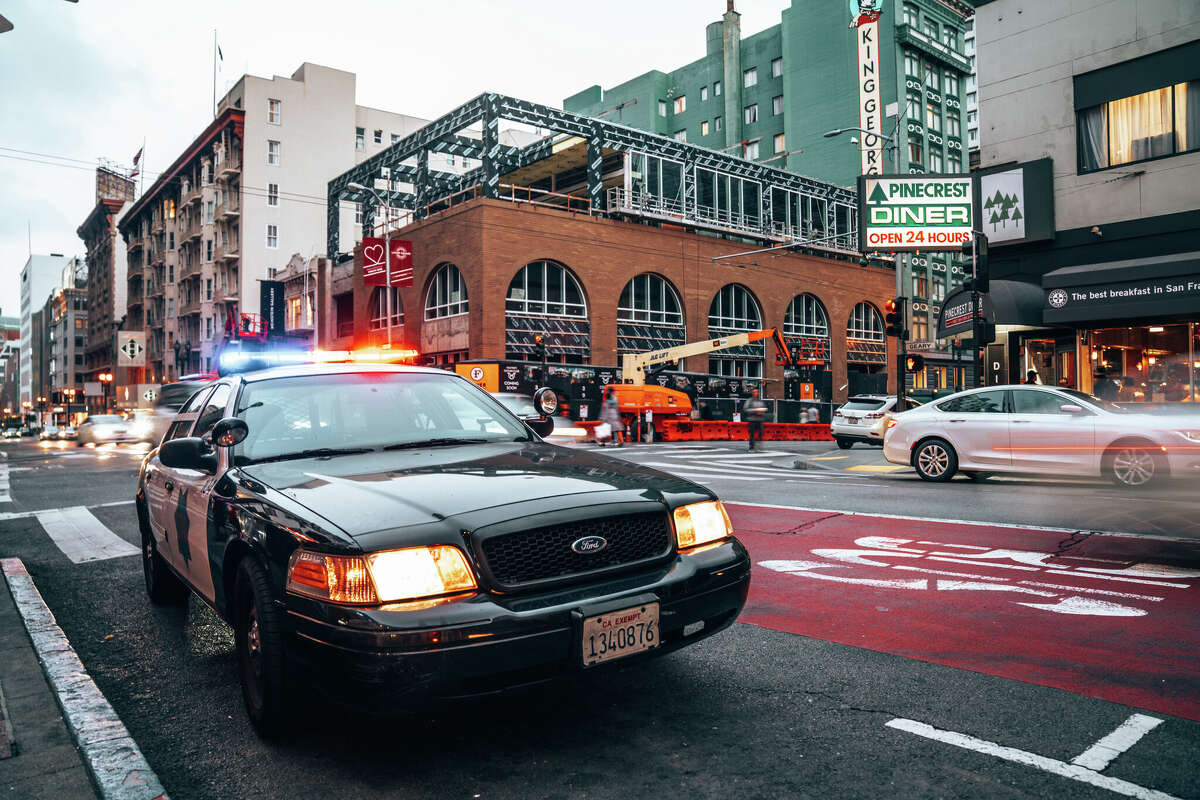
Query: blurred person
x=1128, y=392
x=610, y=414
x=755, y=412
x=1031, y=376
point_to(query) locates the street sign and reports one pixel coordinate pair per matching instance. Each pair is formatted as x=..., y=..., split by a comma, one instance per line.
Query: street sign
x=915, y=212
x=149, y=395
x=922, y=344
x=131, y=349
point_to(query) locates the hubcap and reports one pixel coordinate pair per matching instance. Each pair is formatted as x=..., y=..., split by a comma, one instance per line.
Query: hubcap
x=254, y=643
x=1133, y=467
x=933, y=460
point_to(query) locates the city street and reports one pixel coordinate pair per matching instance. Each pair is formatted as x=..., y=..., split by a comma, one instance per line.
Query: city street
x=885, y=648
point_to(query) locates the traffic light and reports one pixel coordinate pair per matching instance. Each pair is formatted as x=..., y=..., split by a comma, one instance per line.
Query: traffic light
x=896, y=317
x=987, y=332
x=914, y=363
x=539, y=344
x=976, y=251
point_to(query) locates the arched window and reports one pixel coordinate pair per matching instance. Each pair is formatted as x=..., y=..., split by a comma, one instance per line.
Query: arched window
x=447, y=295
x=649, y=298
x=865, y=323
x=545, y=289
x=379, y=309
x=735, y=310
x=805, y=316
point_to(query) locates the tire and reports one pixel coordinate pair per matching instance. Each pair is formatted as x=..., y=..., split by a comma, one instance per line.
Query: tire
x=843, y=444
x=978, y=477
x=935, y=461
x=1135, y=467
x=258, y=634
x=163, y=587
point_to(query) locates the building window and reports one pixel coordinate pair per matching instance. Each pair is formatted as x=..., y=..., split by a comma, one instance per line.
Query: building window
x=865, y=323
x=752, y=150
x=703, y=94
x=704, y=128
x=379, y=313
x=915, y=154
x=395, y=138
x=208, y=210
x=717, y=123
x=750, y=77
x=447, y=296
x=274, y=112
x=378, y=136
x=273, y=153
x=170, y=273
x=933, y=116
x=779, y=142
x=953, y=163
x=1148, y=125
x=950, y=83
x=950, y=37
x=208, y=249
x=662, y=108
x=680, y=104
x=272, y=194
x=171, y=240
x=953, y=124
x=912, y=65
x=920, y=286
x=170, y=306
x=931, y=30
x=805, y=316
x=751, y=113
x=450, y=160
x=777, y=105
x=650, y=299
x=547, y=289
x=272, y=236
x=910, y=14
x=208, y=288
x=716, y=88
x=939, y=291
x=777, y=68
x=933, y=79
x=681, y=135
x=360, y=138
x=734, y=309
x=358, y=208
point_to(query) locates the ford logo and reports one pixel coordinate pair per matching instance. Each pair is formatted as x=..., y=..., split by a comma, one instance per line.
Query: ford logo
x=589, y=544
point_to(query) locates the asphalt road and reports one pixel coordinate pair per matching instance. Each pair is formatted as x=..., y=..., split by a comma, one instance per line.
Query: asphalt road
x=753, y=712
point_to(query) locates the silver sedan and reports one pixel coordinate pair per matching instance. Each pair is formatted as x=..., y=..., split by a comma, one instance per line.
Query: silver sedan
x=1042, y=430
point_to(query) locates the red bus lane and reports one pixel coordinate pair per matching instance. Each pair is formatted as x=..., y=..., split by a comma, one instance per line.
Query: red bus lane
x=1112, y=617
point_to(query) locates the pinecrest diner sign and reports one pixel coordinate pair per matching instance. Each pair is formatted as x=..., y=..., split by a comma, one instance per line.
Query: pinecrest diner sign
x=928, y=212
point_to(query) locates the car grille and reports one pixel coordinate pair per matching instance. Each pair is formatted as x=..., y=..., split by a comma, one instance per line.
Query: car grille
x=541, y=554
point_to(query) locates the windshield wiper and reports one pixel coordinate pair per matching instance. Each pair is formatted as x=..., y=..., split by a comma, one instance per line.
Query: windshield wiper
x=443, y=441
x=316, y=452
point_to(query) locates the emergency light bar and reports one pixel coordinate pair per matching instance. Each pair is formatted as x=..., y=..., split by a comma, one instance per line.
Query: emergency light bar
x=234, y=361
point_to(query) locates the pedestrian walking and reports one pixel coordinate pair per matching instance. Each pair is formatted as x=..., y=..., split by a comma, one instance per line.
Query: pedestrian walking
x=755, y=412
x=610, y=414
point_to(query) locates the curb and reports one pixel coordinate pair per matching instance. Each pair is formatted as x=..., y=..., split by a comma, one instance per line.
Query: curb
x=117, y=767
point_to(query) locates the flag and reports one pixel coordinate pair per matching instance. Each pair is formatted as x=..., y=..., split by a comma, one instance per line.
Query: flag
x=137, y=158
x=220, y=55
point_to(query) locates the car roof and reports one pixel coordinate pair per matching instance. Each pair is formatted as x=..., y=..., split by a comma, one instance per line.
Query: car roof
x=304, y=370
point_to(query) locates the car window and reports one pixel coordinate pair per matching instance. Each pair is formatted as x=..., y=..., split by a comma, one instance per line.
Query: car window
x=178, y=429
x=214, y=409
x=976, y=403
x=196, y=401
x=1033, y=402
x=864, y=404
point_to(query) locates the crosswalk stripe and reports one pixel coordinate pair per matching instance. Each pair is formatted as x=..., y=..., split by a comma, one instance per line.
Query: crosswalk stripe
x=81, y=536
x=705, y=477
x=751, y=473
x=5, y=497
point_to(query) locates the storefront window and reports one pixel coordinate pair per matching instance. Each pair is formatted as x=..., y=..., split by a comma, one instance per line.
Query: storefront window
x=1151, y=364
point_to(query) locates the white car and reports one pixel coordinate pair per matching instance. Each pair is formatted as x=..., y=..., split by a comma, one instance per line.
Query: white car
x=1042, y=430
x=861, y=419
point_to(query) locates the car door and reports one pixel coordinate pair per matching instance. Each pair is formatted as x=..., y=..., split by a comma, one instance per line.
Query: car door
x=976, y=424
x=193, y=492
x=1046, y=439
x=160, y=483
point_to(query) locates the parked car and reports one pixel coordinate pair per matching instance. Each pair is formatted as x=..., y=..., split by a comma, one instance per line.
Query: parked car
x=1045, y=431
x=12, y=433
x=101, y=429
x=861, y=419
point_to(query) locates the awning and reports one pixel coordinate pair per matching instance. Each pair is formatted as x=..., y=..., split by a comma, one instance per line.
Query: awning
x=1131, y=289
x=1006, y=303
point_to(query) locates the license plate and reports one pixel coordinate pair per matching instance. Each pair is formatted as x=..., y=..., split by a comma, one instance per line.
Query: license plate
x=852, y=420
x=620, y=633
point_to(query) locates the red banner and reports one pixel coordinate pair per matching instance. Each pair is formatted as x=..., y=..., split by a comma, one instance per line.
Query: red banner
x=374, y=271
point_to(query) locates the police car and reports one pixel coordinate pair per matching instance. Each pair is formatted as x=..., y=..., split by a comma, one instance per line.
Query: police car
x=390, y=535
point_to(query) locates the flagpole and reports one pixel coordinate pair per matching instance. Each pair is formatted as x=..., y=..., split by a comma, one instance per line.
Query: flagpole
x=142, y=170
x=214, y=72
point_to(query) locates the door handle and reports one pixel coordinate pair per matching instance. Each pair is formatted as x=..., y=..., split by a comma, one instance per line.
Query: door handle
x=170, y=485
x=956, y=420
x=1021, y=421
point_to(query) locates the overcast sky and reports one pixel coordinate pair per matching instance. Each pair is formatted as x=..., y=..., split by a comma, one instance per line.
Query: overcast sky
x=87, y=80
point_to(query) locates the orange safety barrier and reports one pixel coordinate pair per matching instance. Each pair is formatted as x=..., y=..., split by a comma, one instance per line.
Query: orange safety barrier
x=674, y=430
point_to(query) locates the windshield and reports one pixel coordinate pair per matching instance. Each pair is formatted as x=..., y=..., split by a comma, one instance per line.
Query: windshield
x=105, y=419
x=1097, y=402
x=357, y=412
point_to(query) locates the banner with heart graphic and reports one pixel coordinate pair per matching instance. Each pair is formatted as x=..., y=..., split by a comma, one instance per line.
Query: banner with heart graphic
x=374, y=271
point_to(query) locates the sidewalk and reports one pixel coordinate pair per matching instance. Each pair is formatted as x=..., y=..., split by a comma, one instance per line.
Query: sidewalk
x=45, y=763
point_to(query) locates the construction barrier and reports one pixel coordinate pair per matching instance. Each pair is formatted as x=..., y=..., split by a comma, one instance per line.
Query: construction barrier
x=679, y=430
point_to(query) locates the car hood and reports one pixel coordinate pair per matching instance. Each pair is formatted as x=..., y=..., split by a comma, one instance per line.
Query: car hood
x=371, y=492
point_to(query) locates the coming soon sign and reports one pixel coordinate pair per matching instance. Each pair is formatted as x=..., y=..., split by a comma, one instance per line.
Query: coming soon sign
x=914, y=212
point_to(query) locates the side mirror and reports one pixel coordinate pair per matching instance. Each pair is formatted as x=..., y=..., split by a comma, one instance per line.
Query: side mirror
x=542, y=426
x=229, y=431
x=1070, y=408
x=545, y=400
x=190, y=452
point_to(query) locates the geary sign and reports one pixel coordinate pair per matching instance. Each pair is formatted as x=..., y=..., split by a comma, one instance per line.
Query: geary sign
x=914, y=212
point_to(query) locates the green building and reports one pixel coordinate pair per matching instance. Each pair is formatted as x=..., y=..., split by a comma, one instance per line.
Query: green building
x=772, y=97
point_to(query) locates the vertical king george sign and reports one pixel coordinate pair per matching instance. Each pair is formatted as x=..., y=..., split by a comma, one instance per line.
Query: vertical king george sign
x=914, y=212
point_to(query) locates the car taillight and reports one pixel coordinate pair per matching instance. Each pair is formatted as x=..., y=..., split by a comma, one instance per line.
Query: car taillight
x=891, y=423
x=875, y=415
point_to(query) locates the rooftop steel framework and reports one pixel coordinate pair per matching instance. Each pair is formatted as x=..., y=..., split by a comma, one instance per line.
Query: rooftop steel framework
x=443, y=135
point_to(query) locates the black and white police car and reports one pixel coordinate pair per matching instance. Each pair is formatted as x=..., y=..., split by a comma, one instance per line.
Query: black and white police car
x=391, y=535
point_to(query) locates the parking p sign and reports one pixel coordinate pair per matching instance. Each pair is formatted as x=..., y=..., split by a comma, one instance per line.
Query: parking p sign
x=914, y=212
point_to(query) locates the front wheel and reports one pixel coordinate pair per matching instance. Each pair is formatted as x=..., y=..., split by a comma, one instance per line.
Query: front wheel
x=935, y=461
x=258, y=631
x=1135, y=467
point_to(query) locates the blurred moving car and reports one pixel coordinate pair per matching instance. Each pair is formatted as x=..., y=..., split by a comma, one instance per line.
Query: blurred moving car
x=12, y=433
x=49, y=432
x=861, y=419
x=68, y=432
x=171, y=397
x=143, y=425
x=1042, y=430
x=100, y=429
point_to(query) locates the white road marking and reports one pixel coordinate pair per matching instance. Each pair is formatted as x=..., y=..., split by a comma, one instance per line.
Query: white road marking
x=5, y=497
x=702, y=477
x=81, y=536
x=726, y=469
x=1073, y=771
x=1102, y=753
x=113, y=758
x=1089, y=590
x=7, y=515
x=983, y=563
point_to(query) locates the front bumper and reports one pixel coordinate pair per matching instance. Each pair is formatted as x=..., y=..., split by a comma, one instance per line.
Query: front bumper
x=406, y=657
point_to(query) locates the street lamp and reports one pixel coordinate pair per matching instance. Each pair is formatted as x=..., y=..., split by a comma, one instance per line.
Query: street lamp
x=891, y=139
x=387, y=251
x=105, y=378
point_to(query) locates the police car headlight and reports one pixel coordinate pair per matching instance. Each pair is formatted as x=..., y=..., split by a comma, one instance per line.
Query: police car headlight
x=416, y=572
x=701, y=523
